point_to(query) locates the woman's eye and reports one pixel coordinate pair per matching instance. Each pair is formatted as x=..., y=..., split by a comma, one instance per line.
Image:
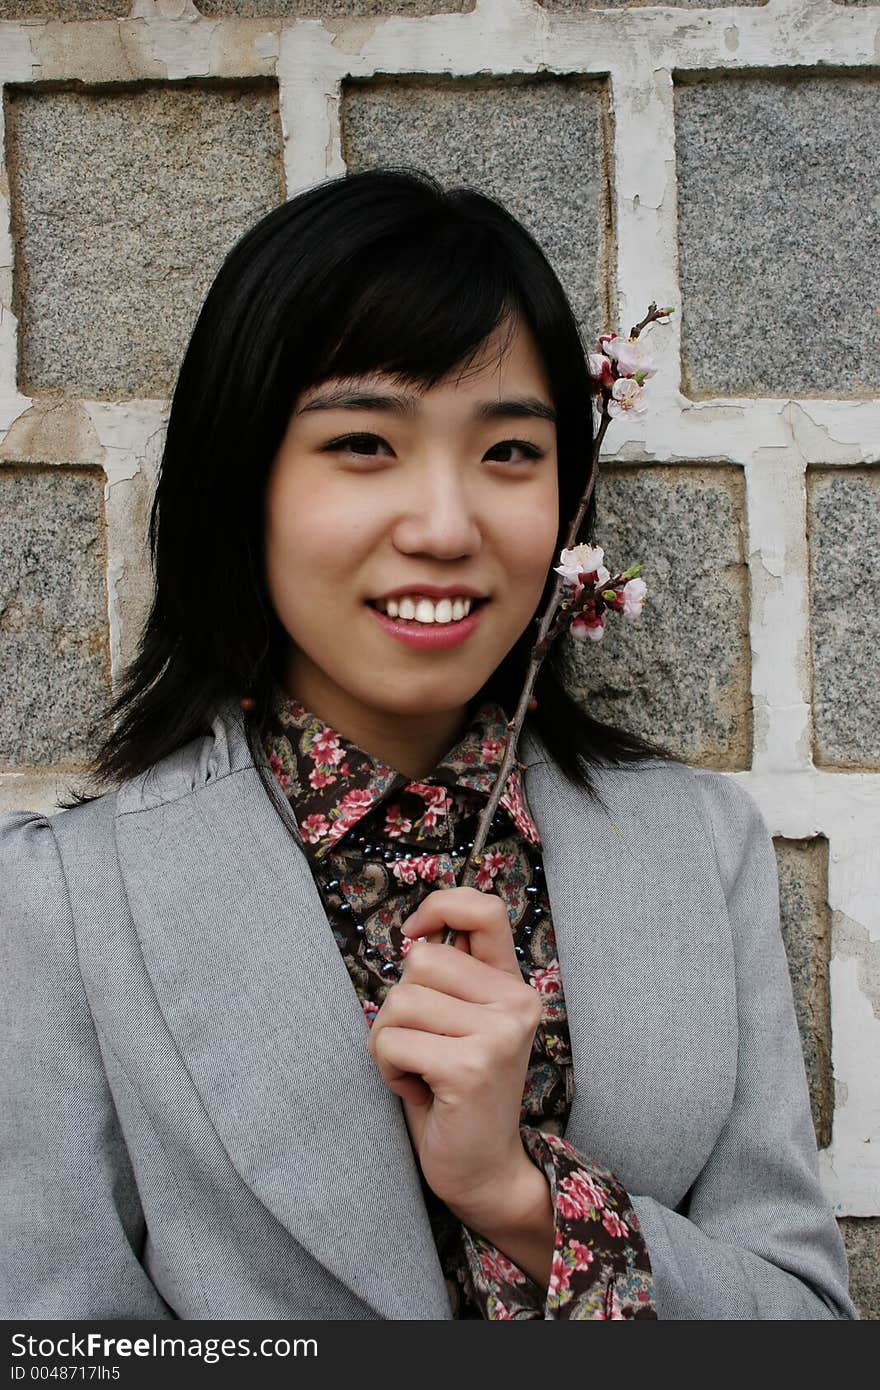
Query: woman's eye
x=530, y=451
x=363, y=445
x=349, y=441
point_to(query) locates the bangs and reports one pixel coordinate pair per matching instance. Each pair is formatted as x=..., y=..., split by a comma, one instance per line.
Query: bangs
x=418, y=304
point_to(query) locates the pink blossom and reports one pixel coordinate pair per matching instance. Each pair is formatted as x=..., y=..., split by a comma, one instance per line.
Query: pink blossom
x=627, y=396
x=601, y=371
x=587, y=625
x=632, y=357
x=634, y=597
x=582, y=560
x=613, y=1224
x=493, y=749
x=313, y=827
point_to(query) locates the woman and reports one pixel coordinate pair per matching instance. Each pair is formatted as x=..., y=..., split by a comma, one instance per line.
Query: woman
x=248, y=1080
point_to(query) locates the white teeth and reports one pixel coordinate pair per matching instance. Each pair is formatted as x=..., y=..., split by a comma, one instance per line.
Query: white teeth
x=424, y=611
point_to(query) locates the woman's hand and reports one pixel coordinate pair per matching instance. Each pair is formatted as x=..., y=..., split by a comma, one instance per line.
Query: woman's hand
x=453, y=1040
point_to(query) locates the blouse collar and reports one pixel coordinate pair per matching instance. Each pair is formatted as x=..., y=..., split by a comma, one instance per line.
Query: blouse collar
x=331, y=783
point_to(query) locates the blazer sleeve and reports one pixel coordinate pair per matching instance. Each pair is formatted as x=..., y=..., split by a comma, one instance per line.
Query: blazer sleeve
x=69, y=1208
x=757, y=1238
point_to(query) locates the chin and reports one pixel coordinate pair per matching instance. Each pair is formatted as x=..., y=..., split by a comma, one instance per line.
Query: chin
x=414, y=696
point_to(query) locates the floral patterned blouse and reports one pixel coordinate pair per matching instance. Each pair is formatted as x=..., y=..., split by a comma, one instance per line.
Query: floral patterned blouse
x=377, y=843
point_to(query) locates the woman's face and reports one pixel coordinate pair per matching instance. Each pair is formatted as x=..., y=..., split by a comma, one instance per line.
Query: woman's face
x=366, y=499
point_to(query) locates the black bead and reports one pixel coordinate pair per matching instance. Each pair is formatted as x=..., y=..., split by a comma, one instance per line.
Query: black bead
x=532, y=889
x=521, y=953
x=332, y=883
x=389, y=968
x=537, y=912
x=370, y=953
x=345, y=907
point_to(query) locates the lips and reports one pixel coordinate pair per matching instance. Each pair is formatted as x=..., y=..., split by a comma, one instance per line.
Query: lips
x=430, y=636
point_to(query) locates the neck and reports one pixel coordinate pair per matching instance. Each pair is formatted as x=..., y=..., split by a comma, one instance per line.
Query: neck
x=411, y=743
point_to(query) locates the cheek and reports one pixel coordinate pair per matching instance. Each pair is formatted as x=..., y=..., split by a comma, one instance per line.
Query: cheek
x=304, y=524
x=531, y=531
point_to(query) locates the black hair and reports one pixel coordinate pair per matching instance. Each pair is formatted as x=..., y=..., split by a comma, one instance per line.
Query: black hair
x=377, y=270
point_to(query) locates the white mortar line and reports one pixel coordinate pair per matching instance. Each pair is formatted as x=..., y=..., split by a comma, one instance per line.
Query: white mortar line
x=779, y=618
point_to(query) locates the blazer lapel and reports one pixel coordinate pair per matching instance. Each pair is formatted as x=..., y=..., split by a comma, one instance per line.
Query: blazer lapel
x=647, y=966
x=254, y=988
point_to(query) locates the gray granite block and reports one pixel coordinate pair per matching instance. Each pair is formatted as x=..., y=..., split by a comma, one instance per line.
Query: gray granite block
x=806, y=930
x=861, y=1235
x=843, y=531
x=125, y=202
x=778, y=205
x=55, y=666
x=680, y=673
x=570, y=5
x=535, y=144
x=65, y=9
x=331, y=9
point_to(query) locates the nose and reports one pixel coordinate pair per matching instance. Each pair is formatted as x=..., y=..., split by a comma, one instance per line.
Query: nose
x=439, y=513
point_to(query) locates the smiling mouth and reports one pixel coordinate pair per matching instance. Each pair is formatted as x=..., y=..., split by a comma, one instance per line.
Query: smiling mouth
x=476, y=603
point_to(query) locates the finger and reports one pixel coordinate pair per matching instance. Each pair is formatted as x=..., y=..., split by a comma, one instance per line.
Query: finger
x=482, y=916
x=439, y=1062
x=411, y=1005
x=463, y=976
x=435, y=935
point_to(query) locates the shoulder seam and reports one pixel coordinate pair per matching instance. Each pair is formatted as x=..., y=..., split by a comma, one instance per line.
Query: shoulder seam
x=193, y=791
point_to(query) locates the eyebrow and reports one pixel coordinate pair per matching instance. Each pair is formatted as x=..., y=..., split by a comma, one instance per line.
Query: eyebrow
x=343, y=398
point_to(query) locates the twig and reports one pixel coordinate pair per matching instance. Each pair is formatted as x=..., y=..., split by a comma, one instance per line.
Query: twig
x=547, y=633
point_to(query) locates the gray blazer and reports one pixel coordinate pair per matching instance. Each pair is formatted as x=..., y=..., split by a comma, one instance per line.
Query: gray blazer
x=193, y=1127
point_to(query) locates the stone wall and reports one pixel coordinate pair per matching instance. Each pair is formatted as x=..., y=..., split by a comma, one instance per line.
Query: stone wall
x=717, y=157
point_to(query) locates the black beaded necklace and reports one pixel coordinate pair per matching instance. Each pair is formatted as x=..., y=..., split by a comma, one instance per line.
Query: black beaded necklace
x=378, y=853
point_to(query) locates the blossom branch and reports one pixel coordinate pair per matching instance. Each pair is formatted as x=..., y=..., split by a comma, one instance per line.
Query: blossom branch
x=618, y=372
